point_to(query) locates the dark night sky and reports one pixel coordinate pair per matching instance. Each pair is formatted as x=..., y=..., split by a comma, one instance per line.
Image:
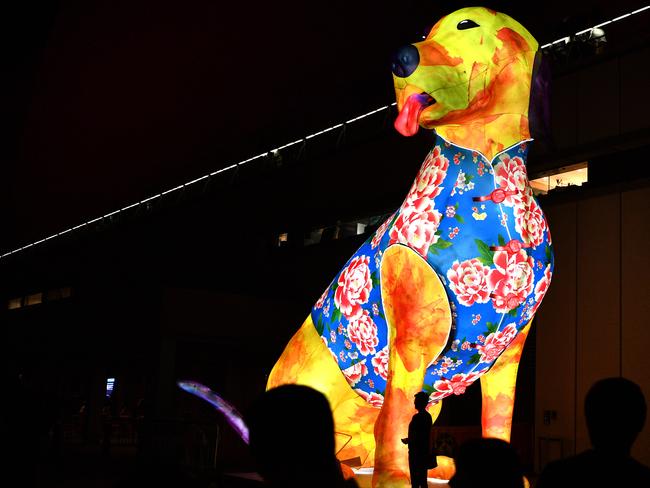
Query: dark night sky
x=106, y=102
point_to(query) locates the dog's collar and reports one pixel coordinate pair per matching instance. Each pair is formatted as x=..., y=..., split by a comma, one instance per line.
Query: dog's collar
x=472, y=150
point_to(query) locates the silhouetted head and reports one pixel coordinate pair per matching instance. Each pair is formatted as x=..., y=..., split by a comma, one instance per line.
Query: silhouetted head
x=292, y=437
x=421, y=401
x=487, y=463
x=614, y=429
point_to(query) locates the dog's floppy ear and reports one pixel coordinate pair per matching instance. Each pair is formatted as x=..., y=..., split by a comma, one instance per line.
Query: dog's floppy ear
x=539, y=115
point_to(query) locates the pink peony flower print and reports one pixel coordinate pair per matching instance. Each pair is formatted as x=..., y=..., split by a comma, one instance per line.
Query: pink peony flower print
x=468, y=280
x=380, y=363
x=540, y=290
x=374, y=399
x=542, y=286
x=362, y=330
x=416, y=229
x=495, y=343
x=529, y=221
x=354, y=287
x=379, y=233
x=454, y=386
x=512, y=280
x=427, y=183
x=510, y=175
x=354, y=373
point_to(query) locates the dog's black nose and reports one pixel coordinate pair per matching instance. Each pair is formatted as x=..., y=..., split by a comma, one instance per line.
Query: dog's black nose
x=405, y=61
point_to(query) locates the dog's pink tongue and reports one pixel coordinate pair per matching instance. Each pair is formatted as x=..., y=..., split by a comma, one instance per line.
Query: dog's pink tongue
x=407, y=122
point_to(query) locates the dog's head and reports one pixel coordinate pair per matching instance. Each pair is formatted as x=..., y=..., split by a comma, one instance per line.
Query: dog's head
x=474, y=65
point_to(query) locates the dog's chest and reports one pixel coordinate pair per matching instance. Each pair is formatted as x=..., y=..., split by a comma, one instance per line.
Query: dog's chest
x=480, y=229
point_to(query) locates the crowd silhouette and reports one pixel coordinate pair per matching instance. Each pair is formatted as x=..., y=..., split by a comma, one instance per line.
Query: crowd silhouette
x=304, y=454
x=615, y=411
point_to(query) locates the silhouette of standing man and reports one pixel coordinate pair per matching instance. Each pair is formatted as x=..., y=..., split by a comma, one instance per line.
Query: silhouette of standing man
x=419, y=441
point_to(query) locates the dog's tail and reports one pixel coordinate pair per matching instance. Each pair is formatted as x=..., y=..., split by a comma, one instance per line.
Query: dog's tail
x=233, y=417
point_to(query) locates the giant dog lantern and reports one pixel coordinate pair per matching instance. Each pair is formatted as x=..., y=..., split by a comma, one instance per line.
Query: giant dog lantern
x=444, y=292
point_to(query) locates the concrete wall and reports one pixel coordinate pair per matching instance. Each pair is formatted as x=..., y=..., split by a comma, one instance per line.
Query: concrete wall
x=594, y=320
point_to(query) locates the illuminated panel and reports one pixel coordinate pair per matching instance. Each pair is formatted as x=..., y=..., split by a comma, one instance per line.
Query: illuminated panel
x=110, y=386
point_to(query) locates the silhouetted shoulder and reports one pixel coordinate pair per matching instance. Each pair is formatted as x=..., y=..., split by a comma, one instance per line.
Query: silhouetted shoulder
x=591, y=468
x=351, y=483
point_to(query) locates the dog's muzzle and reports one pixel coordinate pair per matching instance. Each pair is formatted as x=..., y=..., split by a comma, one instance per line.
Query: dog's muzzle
x=405, y=61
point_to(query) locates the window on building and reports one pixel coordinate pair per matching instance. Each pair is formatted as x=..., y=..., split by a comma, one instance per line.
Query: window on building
x=34, y=299
x=573, y=175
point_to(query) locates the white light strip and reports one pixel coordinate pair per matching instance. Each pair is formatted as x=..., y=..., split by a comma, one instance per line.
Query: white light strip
x=293, y=143
x=316, y=134
x=289, y=145
x=201, y=178
x=584, y=31
x=149, y=199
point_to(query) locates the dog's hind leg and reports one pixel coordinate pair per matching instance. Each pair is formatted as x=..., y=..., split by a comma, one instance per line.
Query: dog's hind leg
x=307, y=361
x=498, y=390
x=419, y=323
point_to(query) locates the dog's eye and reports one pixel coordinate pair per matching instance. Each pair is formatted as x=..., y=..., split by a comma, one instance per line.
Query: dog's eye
x=466, y=24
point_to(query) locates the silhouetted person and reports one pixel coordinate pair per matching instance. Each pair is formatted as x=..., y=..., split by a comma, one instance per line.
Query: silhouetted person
x=292, y=439
x=487, y=463
x=419, y=442
x=615, y=410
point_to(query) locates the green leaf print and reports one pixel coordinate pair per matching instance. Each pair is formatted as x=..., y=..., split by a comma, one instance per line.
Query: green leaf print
x=491, y=327
x=375, y=279
x=441, y=244
x=336, y=315
x=485, y=255
x=474, y=358
x=459, y=218
x=502, y=241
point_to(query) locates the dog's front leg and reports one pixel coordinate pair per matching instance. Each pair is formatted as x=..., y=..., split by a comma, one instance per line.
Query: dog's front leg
x=419, y=322
x=498, y=390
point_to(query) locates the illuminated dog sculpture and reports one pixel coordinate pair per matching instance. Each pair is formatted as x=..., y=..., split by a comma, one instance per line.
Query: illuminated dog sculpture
x=444, y=291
